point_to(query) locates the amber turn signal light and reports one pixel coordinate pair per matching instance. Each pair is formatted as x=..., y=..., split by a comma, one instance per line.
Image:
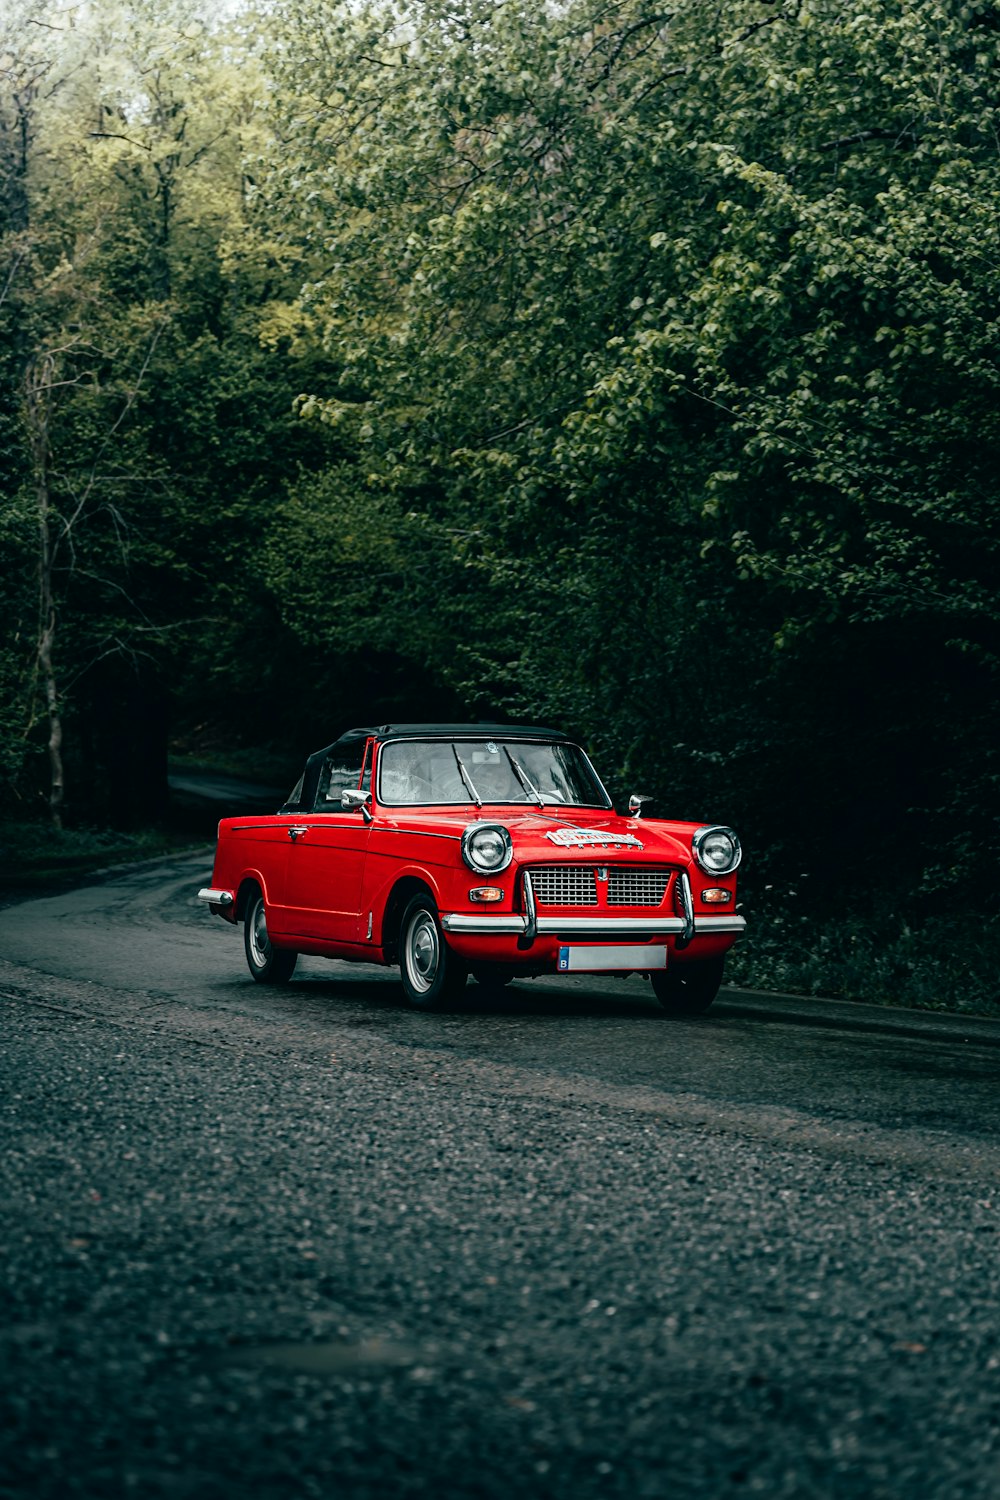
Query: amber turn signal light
x=717, y=896
x=486, y=893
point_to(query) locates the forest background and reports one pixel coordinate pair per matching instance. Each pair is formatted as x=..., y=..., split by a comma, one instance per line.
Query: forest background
x=631, y=367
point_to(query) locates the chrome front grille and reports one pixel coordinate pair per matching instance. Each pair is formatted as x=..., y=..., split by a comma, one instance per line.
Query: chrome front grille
x=579, y=885
x=564, y=885
x=637, y=887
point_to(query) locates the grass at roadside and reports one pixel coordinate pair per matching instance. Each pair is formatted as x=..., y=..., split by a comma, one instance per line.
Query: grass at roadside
x=943, y=963
x=35, y=857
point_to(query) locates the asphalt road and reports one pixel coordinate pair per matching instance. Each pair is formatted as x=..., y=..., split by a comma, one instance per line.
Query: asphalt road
x=306, y=1242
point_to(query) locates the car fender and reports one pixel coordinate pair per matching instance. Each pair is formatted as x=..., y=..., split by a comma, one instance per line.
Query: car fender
x=248, y=877
x=387, y=889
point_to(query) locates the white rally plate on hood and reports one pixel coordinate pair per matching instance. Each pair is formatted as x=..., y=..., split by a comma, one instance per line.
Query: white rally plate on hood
x=583, y=959
x=582, y=838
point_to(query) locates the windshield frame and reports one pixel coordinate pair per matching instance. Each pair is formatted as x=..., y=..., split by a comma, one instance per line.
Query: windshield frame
x=554, y=807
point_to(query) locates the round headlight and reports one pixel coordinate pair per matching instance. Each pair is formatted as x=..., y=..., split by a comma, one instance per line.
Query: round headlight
x=486, y=847
x=717, y=850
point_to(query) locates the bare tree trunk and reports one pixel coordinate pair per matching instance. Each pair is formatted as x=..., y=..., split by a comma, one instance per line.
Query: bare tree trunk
x=38, y=387
x=46, y=669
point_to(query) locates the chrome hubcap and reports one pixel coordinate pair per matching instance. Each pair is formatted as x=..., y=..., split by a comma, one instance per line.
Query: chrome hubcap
x=260, y=943
x=424, y=952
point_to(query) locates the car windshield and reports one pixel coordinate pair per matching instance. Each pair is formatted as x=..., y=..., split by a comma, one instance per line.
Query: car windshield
x=416, y=772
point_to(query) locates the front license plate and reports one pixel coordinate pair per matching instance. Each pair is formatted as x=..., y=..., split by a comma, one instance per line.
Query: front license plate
x=580, y=959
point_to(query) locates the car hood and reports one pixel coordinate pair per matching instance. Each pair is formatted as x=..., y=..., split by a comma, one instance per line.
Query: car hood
x=584, y=834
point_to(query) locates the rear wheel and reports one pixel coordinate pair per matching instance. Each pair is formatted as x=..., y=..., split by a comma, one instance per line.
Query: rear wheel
x=432, y=974
x=688, y=989
x=268, y=965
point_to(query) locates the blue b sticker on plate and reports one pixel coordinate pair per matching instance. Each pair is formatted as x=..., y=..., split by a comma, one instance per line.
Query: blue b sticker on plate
x=612, y=958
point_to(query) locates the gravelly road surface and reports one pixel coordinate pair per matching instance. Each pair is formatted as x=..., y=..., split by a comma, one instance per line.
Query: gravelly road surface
x=308, y=1243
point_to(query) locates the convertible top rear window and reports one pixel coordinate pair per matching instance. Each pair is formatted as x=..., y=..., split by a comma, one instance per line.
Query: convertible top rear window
x=415, y=773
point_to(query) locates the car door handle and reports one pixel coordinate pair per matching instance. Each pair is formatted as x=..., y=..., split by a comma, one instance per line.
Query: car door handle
x=297, y=831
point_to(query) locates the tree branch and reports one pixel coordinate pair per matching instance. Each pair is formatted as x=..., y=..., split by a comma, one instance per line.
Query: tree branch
x=115, y=135
x=13, y=273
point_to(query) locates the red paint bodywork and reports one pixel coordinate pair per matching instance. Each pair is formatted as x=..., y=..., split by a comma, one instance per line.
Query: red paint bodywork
x=334, y=884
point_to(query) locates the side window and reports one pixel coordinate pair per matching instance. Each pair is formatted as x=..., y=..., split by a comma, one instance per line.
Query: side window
x=294, y=799
x=341, y=772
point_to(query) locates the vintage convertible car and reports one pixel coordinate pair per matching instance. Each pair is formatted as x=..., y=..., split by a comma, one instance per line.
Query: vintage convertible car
x=487, y=848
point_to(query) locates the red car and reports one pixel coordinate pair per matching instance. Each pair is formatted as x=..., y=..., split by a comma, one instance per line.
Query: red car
x=491, y=849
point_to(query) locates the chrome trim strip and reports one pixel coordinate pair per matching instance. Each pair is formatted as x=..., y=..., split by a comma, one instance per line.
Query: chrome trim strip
x=633, y=926
x=708, y=925
x=504, y=925
x=687, y=903
x=418, y=833
x=218, y=898
x=531, y=910
x=498, y=926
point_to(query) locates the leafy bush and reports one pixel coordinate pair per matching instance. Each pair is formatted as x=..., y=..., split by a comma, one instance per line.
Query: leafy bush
x=940, y=963
x=34, y=855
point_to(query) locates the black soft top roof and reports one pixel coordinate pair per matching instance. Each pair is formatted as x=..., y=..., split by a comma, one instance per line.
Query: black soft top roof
x=455, y=731
x=383, y=732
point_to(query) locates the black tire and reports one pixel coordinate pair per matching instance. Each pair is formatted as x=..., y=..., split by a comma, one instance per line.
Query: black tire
x=433, y=976
x=688, y=989
x=267, y=965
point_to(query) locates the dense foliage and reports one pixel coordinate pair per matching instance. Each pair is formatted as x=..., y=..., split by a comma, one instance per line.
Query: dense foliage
x=628, y=366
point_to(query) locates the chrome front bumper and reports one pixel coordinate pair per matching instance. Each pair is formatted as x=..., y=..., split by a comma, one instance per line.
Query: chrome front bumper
x=506, y=925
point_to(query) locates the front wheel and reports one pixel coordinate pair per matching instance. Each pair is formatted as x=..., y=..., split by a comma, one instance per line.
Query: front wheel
x=268, y=965
x=432, y=974
x=688, y=989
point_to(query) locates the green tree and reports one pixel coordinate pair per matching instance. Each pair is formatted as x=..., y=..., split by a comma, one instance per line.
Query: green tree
x=82, y=343
x=129, y=356
x=666, y=385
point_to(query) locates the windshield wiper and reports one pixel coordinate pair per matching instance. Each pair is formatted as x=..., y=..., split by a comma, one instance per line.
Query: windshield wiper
x=522, y=777
x=465, y=777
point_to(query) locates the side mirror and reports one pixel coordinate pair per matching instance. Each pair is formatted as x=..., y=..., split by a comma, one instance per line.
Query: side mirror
x=353, y=800
x=636, y=804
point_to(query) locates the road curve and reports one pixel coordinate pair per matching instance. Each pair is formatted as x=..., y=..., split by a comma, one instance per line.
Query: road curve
x=308, y=1242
